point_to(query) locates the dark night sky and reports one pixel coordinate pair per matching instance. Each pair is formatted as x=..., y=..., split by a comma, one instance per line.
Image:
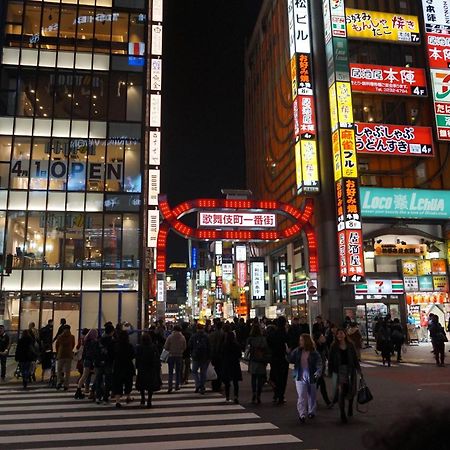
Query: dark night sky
x=203, y=100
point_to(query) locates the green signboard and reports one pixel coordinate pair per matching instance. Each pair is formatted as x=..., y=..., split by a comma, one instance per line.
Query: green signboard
x=405, y=203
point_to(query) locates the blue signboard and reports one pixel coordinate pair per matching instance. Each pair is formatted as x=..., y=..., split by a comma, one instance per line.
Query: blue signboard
x=405, y=203
x=194, y=260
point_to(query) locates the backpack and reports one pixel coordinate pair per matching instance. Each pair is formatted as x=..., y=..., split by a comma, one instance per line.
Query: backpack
x=200, y=348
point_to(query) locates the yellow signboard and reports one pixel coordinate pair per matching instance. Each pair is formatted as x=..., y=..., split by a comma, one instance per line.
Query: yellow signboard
x=423, y=267
x=336, y=156
x=298, y=166
x=362, y=24
x=348, y=153
x=294, y=77
x=310, y=169
x=333, y=107
x=344, y=102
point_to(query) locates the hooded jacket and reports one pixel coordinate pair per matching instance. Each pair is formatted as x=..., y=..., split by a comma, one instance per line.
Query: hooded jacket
x=65, y=345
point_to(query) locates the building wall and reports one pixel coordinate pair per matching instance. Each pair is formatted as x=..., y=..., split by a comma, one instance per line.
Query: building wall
x=71, y=160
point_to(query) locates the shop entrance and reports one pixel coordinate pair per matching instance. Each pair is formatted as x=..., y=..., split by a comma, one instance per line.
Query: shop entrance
x=40, y=308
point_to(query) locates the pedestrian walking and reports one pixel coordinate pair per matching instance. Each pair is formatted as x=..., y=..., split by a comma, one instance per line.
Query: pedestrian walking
x=231, y=366
x=398, y=338
x=384, y=342
x=24, y=356
x=259, y=356
x=438, y=339
x=355, y=336
x=4, y=350
x=175, y=345
x=103, y=364
x=62, y=324
x=216, y=340
x=123, y=368
x=46, y=340
x=322, y=350
x=307, y=369
x=344, y=366
x=277, y=341
x=88, y=356
x=200, y=351
x=148, y=367
x=64, y=354
x=34, y=334
x=186, y=367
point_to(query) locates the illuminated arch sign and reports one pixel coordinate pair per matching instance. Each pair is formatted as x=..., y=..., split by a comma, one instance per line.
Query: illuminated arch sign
x=235, y=210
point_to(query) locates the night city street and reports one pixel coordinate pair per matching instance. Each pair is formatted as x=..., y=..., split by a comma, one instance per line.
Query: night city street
x=225, y=224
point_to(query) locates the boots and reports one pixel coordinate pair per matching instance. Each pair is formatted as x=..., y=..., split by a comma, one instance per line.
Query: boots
x=79, y=394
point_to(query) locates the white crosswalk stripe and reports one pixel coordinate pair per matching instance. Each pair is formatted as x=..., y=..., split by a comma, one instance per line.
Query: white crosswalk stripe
x=47, y=419
x=372, y=364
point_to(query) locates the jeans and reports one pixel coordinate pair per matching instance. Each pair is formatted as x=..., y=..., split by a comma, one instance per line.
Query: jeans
x=199, y=378
x=306, y=402
x=3, y=366
x=257, y=384
x=103, y=382
x=175, y=362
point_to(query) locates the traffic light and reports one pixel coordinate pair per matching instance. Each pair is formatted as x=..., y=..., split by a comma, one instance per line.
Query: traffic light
x=9, y=264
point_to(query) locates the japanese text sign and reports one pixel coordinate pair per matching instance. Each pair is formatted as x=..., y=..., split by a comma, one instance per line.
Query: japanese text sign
x=363, y=24
x=388, y=80
x=301, y=26
x=379, y=139
x=348, y=153
x=236, y=220
x=257, y=280
x=438, y=48
x=436, y=14
x=440, y=80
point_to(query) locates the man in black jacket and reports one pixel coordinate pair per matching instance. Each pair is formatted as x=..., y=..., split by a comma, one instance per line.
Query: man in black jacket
x=4, y=349
x=277, y=340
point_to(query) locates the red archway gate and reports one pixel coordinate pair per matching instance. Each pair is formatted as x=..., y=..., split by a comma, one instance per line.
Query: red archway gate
x=301, y=221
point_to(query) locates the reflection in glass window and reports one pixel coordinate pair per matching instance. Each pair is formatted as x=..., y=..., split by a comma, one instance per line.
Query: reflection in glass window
x=31, y=24
x=15, y=237
x=112, y=240
x=39, y=164
x=74, y=243
x=114, y=168
x=33, y=257
x=54, y=239
x=93, y=241
x=58, y=169
x=96, y=159
x=120, y=34
x=130, y=244
x=67, y=28
x=5, y=148
x=132, y=176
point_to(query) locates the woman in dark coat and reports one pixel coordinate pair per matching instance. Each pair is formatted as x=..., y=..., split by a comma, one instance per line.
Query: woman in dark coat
x=231, y=365
x=123, y=368
x=344, y=366
x=24, y=356
x=148, y=368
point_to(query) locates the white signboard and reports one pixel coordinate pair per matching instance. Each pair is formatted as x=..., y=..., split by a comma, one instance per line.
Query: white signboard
x=436, y=15
x=154, y=148
x=291, y=28
x=257, y=280
x=227, y=272
x=153, y=228
x=375, y=287
x=161, y=291
x=156, y=75
x=240, y=253
x=155, y=110
x=153, y=186
x=218, y=247
x=411, y=284
x=301, y=27
x=157, y=32
x=236, y=220
x=157, y=13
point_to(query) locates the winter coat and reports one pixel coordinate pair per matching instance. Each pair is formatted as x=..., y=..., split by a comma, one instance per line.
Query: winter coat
x=123, y=355
x=277, y=341
x=89, y=350
x=314, y=364
x=199, y=346
x=24, y=350
x=259, y=355
x=334, y=363
x=230, y=368
x=175, y=344
x=148, y=368
x=46, y=337
x=64, y=345
x=216, y=342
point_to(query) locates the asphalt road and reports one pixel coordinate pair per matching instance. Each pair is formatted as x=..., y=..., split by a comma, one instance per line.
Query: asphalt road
x=43, y=418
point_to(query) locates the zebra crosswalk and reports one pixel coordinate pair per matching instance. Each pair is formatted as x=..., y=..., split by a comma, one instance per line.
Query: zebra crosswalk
x=372, y=364
x=47, y=419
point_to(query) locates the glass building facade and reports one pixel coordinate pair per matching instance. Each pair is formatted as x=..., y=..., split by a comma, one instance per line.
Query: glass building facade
x=72, y=107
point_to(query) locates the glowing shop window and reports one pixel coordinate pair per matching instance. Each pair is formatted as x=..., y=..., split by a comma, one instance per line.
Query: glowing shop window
x=91, y=280
x=101, y=62
x=75, y=201
x=61, y=128
x=29, y=57
x=71, y=280
x=47, y=59
x=13, y=282
x=65, y=60
x=6, y=125
x=83, y=61
x=17, y=201
x=98, y=130
x=37, y=201
x=56, y=201
x=23, y=127
x=32, y=280
x=42, y=127
x=11, y=56
x=79, y=129
x=52, y=280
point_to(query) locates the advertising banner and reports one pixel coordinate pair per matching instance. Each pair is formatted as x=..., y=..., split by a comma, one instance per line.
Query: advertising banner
x=438, y=267
x=425, y=283
x=362, y=24
x=306, y=117
x=310, y=169
x=440, y=80
x=257, y=280
x=440, y=283
x=423, y=267
x=398, y=140
x=405, y=203
x=236, y=220
x=388, y=80
x=411, y=284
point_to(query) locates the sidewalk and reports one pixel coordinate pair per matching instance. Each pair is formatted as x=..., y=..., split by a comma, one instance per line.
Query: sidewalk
x=415, y=354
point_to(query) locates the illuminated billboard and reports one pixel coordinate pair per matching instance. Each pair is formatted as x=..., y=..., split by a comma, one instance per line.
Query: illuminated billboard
x=374, y=79
x=362, y=24
x=397, y=140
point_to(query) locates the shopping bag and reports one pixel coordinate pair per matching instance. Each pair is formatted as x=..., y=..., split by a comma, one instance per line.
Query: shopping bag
x=164, y=355
x=211, y=374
